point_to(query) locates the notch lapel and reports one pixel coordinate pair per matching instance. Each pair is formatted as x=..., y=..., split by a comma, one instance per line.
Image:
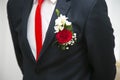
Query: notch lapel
x=63, y=6
x=25, y=21
x=22, y=30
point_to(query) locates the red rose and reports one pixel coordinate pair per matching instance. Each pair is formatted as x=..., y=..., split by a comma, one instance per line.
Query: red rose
x=64, y=36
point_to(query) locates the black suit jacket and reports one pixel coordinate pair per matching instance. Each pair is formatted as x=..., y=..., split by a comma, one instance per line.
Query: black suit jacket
x=91, y=58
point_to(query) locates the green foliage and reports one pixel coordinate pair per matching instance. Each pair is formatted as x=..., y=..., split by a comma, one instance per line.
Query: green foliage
x=57, y=12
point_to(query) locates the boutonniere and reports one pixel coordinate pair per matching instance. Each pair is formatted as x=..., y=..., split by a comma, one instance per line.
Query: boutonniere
x=65, y=37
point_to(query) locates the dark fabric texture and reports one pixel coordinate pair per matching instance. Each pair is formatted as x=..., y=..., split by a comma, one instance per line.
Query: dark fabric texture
x=92, y=56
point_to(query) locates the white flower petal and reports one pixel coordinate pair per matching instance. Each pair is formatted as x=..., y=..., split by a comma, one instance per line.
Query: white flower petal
x=56, y=29
x=63, y=19
x=58, y=21
x=67, y=48
x=74, y=34
x=61, y=28
x=68, y=23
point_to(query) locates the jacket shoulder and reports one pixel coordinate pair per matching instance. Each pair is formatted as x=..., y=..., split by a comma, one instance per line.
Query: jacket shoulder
x=81, y=9
x=15, y=9
x=83, y=5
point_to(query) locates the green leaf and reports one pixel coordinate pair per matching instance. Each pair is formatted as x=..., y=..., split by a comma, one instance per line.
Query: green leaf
x=69, y=27
x=57, y=12
x=63, y=47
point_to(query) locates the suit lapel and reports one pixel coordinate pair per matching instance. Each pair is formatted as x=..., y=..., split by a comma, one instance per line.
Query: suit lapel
x=22, y=30
x=63, y=6
x=25, y=21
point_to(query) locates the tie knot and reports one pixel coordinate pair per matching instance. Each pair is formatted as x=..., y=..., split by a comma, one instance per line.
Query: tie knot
x=40, y=2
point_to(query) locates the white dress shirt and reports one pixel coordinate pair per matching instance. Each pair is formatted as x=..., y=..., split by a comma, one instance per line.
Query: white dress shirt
x=46, y=12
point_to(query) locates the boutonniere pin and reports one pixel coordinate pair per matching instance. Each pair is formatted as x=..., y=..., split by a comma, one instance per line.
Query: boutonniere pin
x=65, y=37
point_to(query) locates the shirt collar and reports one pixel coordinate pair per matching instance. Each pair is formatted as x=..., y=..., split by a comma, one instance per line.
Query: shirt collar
x=52, y=1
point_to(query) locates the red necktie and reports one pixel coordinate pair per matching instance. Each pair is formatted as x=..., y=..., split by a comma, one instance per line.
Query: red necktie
x=38, y=29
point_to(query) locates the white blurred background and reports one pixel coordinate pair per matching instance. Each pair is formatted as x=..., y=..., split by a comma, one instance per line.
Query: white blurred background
x=9, y=69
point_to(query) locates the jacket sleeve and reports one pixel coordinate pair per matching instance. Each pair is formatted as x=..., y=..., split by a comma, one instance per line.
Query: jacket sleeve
x=14, y=36
x=100, y=43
